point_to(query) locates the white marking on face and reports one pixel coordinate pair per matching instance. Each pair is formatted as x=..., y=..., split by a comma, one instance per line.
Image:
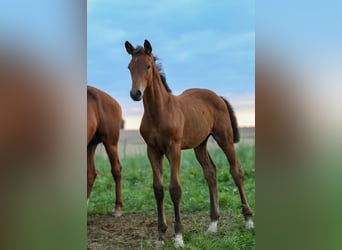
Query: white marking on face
x=142, y=91
x=212, y=227
x=249, y=223
x=179, y=241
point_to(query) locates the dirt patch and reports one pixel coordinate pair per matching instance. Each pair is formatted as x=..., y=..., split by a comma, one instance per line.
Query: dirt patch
x=125, y=232
x=131, y=229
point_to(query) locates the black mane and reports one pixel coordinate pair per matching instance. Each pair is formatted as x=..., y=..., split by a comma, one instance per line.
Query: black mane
x=140, y=50
x=161, y=73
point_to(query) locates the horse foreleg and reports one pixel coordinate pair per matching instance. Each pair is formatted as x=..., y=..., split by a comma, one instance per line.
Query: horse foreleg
x=175, y=190
x=112, y=152
x=156, y=159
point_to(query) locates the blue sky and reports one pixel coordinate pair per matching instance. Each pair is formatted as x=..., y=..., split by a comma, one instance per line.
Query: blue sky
x=205, y=44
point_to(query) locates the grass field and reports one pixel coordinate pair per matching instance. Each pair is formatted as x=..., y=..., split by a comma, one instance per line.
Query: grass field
x=139, y=203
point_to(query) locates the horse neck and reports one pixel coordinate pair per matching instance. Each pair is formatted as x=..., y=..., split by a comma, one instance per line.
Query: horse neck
x=155, y=96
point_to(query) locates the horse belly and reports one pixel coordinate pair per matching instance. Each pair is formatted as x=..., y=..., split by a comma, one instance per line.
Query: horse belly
x=198, y=112
x=194, y=134
x=194, y=140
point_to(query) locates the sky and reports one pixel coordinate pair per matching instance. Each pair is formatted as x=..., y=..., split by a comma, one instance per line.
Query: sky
x=201, y=44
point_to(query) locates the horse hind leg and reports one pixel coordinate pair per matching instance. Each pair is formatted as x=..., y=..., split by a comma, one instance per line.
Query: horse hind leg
x=237, y=174
x=209, y=171
x=91, y=173
x=112, y=152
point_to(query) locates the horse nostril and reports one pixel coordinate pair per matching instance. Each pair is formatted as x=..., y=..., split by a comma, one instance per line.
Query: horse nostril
x=136, y=95
x=132, y=94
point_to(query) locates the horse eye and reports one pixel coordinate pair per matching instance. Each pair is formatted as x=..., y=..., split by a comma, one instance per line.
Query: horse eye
x=148, y=66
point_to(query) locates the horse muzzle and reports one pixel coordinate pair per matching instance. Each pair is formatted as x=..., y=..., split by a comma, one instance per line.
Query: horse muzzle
x=136, y=95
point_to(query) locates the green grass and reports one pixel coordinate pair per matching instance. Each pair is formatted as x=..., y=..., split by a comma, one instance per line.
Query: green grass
x=138, y=195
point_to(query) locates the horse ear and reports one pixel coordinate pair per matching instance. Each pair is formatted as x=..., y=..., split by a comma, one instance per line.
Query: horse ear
x=129, y=47
x=148, y=47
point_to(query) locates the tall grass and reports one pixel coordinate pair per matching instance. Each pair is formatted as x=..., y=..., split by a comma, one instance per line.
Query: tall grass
x=138, y=194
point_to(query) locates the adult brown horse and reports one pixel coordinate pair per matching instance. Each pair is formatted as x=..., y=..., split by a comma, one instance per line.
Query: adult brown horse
x=172, y=123
x=103, y=125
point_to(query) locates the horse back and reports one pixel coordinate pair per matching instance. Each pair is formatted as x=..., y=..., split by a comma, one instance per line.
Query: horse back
x=201, y=104
x=202, y=110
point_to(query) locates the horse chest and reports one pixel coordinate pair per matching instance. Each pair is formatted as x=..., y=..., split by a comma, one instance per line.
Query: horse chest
x=156, y=137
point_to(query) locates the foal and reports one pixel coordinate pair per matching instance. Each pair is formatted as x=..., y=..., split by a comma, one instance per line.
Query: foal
x=172, y=123
x=103, y=125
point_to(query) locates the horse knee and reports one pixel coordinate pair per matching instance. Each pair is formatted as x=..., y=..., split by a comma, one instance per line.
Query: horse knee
x=91, y=175
x=175, y=191
x=116, y=171
x=210, y=174
x=90, y=181
x=158, y=190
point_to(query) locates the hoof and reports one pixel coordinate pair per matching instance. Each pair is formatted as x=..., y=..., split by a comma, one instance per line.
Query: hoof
x=249, y=223
x=158, y=244
x=212, y=227
x=179, y=241
x=116, y=213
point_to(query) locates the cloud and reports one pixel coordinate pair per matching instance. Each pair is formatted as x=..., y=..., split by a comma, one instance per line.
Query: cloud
x=209, y=42
x=102, y=35
x=236, y=40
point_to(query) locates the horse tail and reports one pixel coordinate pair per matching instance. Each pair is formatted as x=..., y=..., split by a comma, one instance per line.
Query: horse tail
x=233, y=121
